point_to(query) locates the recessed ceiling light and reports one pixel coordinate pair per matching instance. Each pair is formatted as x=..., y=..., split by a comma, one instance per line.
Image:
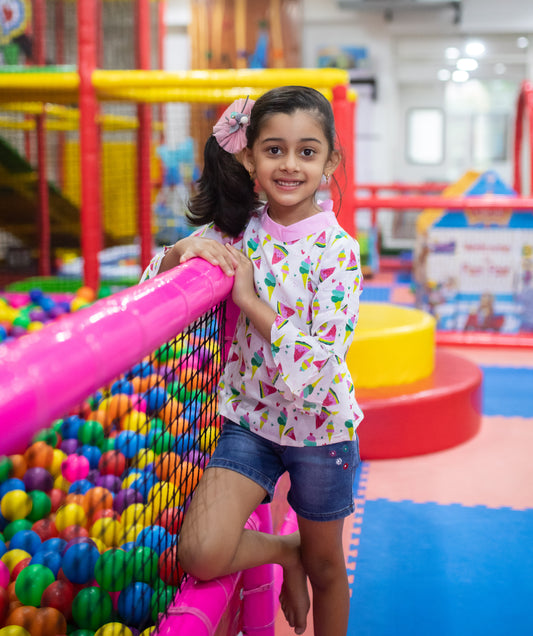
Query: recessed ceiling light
x=522, y=42
x=467, y=64
x=475, y=49
x=452, y=53
x=500, y=68
x=460, y=76
x=444, y=75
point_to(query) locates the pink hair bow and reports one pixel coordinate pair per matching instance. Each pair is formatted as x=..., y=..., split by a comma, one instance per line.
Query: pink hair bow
x=230, y=129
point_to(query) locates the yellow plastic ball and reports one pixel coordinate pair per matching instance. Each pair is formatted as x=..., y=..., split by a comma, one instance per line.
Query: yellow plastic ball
x=135, y=421
x=12, y=557
x=108, y=530
x=207, y=438
x=131, y=533
x=16, y=504
x=70, y=514
x=114, y=629
x=128, y=481
x=78, y=303
x=58, y=458
x=61, y=483
x=162, y=495
x=143, y=458
x=36, y=325
x=14, y=630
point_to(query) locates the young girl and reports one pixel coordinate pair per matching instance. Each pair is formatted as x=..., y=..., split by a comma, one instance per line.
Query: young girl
x=286, y=394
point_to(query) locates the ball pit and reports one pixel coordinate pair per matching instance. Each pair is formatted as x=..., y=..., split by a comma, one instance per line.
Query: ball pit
x=91, y=510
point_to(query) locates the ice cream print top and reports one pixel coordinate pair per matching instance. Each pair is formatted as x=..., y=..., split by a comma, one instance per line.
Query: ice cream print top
x=295, y=390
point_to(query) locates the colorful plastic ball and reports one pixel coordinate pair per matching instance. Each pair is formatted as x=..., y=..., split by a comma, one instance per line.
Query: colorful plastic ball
x=55, y=543
x=145, y=564
x=91, y=433
x=6, y=466
x=92, y=608
x=208, y=437
x=48, y=621
x=114, y=629
x=92, y=453
x=18, y=569
x=75, y=467
x=129, y=443
x=109, y=482
x=5, y=575
x=51, y=558
x=16, y=526
x=78, y=562
x=73, y=532
x=39, y=454
x=155, y=537
x=160, y=600
x=4, y=604
x=170, y=571
x=68, y=515
x=161, y=441
x=13, y=483
x=20, y=619
x=108, y=530
x=69, y=446
x=146, y=632
x=171, y=519
x=155, y=398
x=80, y=487
x=46, y=435
x=125, y=498
x=112, y=462
x=122, y=386
x=38, y=478
x=95, y=499
x=134, y=603
x=45, y=528
x=59, y=595
x=114, y=570
x=144, y=483
x=14, y=630
x=70, y=427
x=135, y=421
x=41, y=505
x=31, y=583
x=26, y=540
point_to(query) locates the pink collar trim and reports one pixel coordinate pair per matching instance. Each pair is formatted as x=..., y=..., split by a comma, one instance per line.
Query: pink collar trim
x=289, y=233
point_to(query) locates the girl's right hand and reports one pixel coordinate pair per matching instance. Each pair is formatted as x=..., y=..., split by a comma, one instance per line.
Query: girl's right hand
x=192, y=246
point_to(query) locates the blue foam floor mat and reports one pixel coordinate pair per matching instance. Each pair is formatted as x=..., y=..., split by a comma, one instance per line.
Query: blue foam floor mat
x=507, y=391
x=431, y=570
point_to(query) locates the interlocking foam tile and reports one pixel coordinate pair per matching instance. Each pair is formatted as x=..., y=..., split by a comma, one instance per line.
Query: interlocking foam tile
x=507, y=391
x=402, y=295
x=376, y=294
x=431, y=570
x=493, y=469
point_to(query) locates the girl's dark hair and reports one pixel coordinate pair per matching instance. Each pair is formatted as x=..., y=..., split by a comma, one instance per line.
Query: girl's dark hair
x=225, y=193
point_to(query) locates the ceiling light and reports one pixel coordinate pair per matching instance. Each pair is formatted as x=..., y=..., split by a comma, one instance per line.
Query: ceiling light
x=452, y=53
x=522, y=42
x=467, y=64
x=500, y=68
x=444, y=75
x=475, y=49
x=460, y=76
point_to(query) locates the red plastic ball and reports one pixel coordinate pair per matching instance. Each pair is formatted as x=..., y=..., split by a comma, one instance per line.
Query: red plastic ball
x=59, y=595
x=45, y=528
x=170, y=571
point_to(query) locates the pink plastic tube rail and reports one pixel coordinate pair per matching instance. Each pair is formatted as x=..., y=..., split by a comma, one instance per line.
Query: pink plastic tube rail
x=199, y=607
x=46, y=373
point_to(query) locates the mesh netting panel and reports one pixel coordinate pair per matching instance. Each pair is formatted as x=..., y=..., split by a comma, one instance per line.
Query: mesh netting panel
x=107, y=486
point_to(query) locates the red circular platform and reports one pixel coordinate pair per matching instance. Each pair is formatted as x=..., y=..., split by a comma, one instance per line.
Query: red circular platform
x=429, y=415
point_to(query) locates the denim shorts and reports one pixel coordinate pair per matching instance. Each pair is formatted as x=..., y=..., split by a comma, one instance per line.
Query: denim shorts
x=322, y=477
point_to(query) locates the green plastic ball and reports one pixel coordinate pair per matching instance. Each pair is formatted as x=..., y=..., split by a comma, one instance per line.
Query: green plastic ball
x=92, y=607
x=114, y=569
x=32, y=582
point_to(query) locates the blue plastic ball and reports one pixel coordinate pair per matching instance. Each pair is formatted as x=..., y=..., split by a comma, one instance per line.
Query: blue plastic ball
x=78, y=562
x=134, y=603
x=51, y=558
x=155, y=398
x=155, y=537
x=26, y=540
x=129, y=443
x=92, y=453
x=80, y=486
x=11, y=484
x=122, y=386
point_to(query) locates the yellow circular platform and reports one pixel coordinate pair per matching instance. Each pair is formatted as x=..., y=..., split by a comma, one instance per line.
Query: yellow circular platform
x=392, y=345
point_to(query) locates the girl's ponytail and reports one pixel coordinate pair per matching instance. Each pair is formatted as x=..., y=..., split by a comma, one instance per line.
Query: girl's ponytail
x=225, y=193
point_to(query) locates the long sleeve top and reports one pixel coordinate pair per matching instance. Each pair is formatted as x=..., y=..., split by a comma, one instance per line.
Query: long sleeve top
x=295, y=390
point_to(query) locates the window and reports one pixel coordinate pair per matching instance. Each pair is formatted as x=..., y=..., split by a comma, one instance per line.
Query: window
x=425, y=136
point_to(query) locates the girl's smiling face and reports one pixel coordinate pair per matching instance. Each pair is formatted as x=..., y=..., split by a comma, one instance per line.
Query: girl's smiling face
x=289, y=158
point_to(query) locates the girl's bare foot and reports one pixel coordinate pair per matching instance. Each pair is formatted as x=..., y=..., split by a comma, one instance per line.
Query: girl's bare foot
x=294, y=596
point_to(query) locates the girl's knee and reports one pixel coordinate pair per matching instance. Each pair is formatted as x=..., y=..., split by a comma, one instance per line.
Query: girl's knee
x=324, y=569
x=202, y=558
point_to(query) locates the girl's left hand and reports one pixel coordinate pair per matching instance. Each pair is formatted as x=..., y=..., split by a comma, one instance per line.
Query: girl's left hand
x=243, y=287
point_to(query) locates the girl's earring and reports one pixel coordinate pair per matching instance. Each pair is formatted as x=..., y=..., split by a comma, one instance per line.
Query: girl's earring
x=326, y=176
x=252, y=175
